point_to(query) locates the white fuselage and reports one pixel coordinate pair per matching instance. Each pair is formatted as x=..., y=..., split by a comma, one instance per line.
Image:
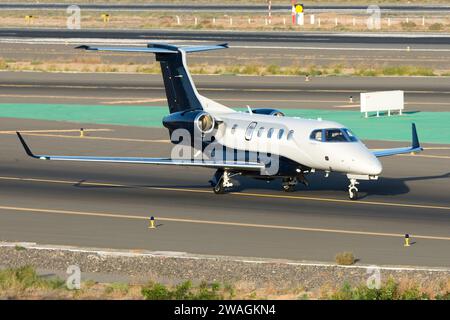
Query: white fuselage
x=291, y=138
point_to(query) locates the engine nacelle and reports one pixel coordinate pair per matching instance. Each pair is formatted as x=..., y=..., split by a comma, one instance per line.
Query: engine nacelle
x=205, y=122
x=194, y=121
x=270, y=112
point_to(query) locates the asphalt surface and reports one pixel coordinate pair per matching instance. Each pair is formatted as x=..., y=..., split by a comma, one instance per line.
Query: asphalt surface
x=234, y=36
x=95, y=204
x=99, y=205
x=226, y=8
x=421, y=93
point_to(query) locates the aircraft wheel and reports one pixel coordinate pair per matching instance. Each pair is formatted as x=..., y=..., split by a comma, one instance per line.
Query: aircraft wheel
x=353, y=193
x=288, y=187
x=219, y=188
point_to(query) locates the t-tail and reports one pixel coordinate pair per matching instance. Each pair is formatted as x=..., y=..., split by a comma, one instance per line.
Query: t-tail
x=181, y=92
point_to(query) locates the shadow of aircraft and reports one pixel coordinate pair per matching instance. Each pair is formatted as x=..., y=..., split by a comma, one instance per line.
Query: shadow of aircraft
x=335, y=182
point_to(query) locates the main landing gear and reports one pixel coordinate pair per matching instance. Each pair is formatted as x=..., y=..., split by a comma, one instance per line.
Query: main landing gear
x=353, y=190
x=221, y=181
x=290, y=183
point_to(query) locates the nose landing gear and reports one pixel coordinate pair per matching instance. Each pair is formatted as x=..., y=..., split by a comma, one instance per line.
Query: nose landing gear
x=221, y=181
x=353, y=190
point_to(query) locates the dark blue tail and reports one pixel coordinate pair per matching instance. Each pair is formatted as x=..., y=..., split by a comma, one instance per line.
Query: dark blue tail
x=180, y=89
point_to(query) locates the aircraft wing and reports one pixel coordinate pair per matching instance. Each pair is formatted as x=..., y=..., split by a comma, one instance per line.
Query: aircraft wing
x=415, y=147
x=240, y=165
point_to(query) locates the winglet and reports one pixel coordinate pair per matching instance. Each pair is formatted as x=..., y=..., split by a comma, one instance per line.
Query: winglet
x=25, y=146
x=415, y=138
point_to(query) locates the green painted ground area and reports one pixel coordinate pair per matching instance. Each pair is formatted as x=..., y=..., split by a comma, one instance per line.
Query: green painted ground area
x=433, y=127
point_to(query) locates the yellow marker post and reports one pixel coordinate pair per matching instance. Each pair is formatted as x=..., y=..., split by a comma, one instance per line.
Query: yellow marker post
x=406, y=240
x=29, y=19
x=105, y=17
x=152, y=223
x=81, y=133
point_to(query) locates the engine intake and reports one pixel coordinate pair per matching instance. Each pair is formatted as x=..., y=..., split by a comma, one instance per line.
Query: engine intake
x=205, y=122
x=194, y=121
x=270, y=112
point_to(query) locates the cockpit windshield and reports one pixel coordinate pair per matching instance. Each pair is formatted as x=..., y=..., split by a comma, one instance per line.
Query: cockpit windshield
x=333, y=135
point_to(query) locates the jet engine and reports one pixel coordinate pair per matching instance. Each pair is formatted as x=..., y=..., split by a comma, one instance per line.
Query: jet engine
x=194, y=121
x=268, y=111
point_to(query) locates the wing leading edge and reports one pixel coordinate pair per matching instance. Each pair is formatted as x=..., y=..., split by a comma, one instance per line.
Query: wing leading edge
x=415, y=147
x=236, y=165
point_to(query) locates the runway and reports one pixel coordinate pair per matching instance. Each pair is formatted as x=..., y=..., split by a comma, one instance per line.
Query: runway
x=102, y=205
x=227, y=8
x=288, y=38
x=421, y=93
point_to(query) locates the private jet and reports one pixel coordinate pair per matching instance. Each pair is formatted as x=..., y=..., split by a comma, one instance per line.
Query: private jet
x=257, y=143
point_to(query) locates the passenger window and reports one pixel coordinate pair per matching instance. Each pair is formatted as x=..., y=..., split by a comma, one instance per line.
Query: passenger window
x=290, y=135
x=280, y=134
x=334, y=135
x=233, y=129
x=270, y=133
x=249, y=132
x=260, y=132
x=316, y=135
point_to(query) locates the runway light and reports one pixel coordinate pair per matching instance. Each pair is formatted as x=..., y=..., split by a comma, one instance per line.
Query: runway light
x=81, y=133
x=406, y=240
x=152, y=223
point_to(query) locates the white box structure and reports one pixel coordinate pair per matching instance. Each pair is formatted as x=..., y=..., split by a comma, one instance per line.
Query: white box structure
x=382, y=101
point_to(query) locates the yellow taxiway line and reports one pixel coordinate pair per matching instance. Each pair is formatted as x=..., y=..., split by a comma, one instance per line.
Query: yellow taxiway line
x=242, y=194
x=223, y=223
x=54, y=130
x=89, y=137
x=423, y=156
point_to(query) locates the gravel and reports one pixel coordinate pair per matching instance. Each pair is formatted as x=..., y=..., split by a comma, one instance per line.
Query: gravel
x=172, y=267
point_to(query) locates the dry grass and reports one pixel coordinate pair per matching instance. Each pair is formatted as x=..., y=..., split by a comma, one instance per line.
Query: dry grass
x=24, y=283
x=220, y=21
x=95, y=64
x=345, y=258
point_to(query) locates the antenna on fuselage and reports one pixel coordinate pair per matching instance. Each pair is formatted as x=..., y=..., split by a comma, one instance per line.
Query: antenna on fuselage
x=249, y=109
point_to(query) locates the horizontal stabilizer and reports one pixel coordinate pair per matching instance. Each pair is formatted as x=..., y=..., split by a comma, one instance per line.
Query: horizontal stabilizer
x=157, y=48
x=415, y=146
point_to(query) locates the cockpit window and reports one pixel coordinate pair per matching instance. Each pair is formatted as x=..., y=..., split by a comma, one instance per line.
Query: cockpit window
x=350, y=135
x=316, y=135
x=333, y=135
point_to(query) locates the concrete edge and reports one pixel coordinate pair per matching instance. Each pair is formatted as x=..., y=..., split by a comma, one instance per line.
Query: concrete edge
x=109, y=252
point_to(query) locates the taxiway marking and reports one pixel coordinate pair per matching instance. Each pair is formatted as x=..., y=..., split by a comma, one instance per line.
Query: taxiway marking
x=54, y=130
x=224, y=223
x=423, y=156
x=88, y=137
x=243, y=194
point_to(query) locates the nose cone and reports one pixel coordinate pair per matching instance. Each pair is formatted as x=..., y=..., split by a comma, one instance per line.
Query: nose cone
x=373, y=166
